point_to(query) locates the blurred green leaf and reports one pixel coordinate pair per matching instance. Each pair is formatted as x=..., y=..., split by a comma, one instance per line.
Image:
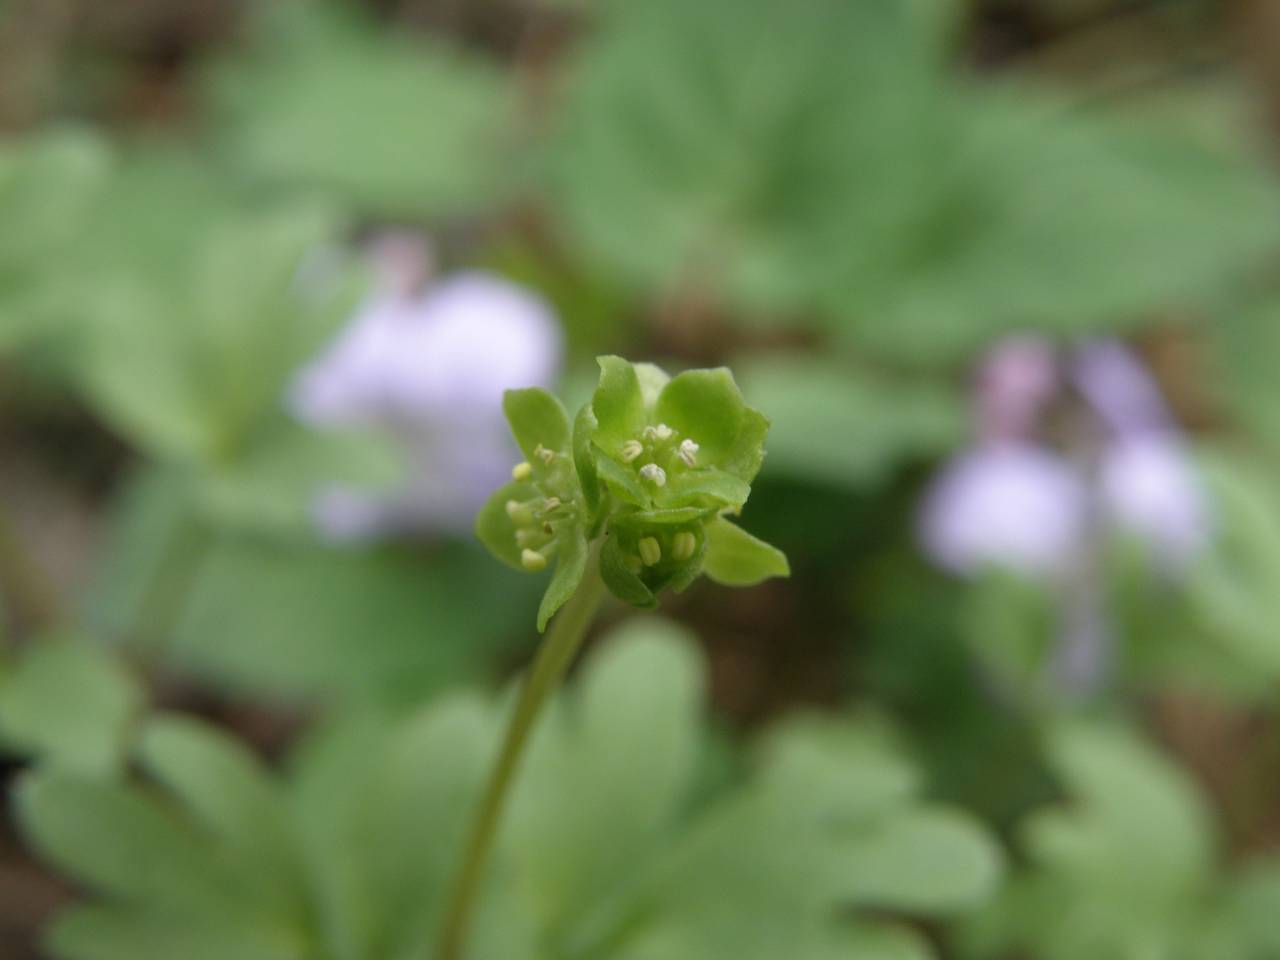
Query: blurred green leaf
x=825, y=160
x=324, y=99
x=229, y=793
x=612, y=847
x=71, y=704
x=1123, y=869
x=847, y=428
x=49, y=187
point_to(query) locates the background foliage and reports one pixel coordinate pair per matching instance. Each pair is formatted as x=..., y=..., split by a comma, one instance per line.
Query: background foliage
x=232, y=737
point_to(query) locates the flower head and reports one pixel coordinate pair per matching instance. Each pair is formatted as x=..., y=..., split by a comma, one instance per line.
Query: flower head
x=652, y=464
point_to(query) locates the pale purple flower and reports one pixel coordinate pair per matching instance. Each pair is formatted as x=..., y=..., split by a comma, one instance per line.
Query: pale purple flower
x=1017, y=381
x=1119, y=388
x=430, y=368
x=1016, y=502
x=1005, y=505
x=1149, y=491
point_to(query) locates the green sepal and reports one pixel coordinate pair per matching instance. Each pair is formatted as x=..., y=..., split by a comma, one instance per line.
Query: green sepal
x=537, y=419
x=623, y=483
x=705, y=405
x=584, y=461
x=622, y=583
x=618, y=404
x=699, y=486
x=737, y=559
x=571, y=564
x=494, y=528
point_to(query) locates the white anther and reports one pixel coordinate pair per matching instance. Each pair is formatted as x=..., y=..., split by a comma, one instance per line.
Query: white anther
x=689, y=453
x=543, y=454
x=631, y=449
x=655, y=474
x=551, y=503
x=663, y=432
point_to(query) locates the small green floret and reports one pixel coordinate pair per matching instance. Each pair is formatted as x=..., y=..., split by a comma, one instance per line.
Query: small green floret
x=652, y=465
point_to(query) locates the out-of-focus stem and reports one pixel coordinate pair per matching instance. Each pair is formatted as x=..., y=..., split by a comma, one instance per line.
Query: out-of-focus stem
x=554, y=656
x=28, y=590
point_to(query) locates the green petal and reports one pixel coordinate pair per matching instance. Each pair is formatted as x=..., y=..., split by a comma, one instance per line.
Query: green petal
x=745, y=456
x=737, y=559
x=618, y=403
x=537, y=419
x=494, y=528
x=644, y=518
x=622, y=583
x=706, y=406
x=624, y=484
x=571, y=564
x=584, y=460
x=652, y=380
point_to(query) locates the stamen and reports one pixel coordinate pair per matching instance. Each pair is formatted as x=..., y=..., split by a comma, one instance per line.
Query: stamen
x=551, y=503
x=522, y=470
x=650, y=551
x=689, y=453
x=520, y=513
x=631, y=449
x=533, y=561
x=683, y=545
x=663, y=432
x=655, y=474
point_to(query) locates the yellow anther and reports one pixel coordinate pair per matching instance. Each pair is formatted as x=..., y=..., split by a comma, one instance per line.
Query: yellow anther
x=532, y=560
x=683, y=544
x=522, y=470
x=650, y=552
x=520, y=513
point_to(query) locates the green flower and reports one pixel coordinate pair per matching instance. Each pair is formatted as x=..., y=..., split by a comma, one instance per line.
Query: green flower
x=652, y=465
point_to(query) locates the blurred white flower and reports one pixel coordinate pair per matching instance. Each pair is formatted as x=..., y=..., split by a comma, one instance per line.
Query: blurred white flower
x=430, y=368
x=1009, y=505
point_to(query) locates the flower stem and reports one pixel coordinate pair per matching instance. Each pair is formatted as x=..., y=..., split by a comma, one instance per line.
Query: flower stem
x=553, y=658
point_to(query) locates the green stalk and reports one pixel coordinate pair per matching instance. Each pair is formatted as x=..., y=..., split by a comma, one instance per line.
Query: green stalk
x=553, y=658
